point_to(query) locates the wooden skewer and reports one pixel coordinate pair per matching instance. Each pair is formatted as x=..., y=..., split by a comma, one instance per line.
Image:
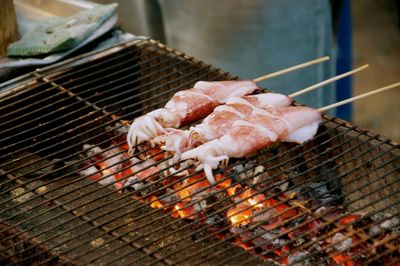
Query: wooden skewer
x=290, y=69
x=352, y=99
x=323, y=83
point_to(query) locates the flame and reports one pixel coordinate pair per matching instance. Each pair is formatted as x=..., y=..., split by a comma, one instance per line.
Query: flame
x=254, y=199
x=155, y=203
x=246, y=203
x=191, y=186
x=226, y=184
x=255, y=204
x=182, y=212
x=240, y=214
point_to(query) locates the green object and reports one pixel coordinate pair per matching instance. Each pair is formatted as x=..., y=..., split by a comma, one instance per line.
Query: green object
x=61, y=33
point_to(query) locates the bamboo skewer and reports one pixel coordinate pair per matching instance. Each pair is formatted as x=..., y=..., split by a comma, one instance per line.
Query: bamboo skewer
x=323, y=83
x=290, y=69
x=352, y=99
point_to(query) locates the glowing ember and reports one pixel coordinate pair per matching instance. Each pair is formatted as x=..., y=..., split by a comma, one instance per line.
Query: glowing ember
x=281, y=224
x=344, y=260
x=240, y=214
x=155, y=203
x=182, y=211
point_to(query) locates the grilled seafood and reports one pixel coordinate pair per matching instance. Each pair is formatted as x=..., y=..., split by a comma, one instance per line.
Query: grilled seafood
x=260, y=130
x=186, y=106
x=218, y=122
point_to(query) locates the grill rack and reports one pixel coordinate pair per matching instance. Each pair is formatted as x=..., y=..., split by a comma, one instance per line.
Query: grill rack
x=156, y=68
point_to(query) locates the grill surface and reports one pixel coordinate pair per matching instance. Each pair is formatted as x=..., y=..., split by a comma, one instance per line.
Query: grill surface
x=345, y=180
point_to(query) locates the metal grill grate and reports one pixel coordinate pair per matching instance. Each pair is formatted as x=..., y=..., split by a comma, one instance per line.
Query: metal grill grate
x=339, y=189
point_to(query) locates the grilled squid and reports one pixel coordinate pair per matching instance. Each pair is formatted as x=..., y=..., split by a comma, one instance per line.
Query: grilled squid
x=258, y=131
x=218, y=122
x=186, y=106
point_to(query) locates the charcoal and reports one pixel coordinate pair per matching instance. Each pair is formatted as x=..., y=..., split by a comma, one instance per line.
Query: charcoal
x=200, y=206
x=133, y=183
x=92, y=150
x=56, y=168
x=320, y=193
x=259, y=170
x=299, y=259
x=320, y=210
x=389, y=223
x=374, y=231
x=279, y=242
x=341, y=242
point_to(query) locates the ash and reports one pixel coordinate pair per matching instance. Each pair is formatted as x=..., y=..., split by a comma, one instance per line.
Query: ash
x=341, y=242
x=299, y=259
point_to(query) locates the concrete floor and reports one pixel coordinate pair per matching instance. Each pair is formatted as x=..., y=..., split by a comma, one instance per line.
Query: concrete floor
x=376, y=41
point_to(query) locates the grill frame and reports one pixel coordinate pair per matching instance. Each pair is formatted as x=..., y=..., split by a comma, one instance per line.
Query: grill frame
x=351, y=134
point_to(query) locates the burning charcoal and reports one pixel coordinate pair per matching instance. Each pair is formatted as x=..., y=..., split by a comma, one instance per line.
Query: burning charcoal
x=279, y=242
x=260, y=242
x=246, y=235
x=299, y=259
x=363, y=220
x=283, y=187
x=201, y=195
x=134, y=183
x=239, y=170
x=177, y=170
x=88, y=171
x=92, y=150
x=259, y=170
x=214, y=220
x=342, y=243
x=263, y=214
x=270, y=235
x=320, y=210
x=118, y=128
x=374, y=231
x=170, y=197
x=200, y=206
x=390, y=223
x=249, y=165
x=258, y=179
x=236, y=230
x=299, y=241
x=320, y=193
x=261, y=176
x=57, y=168
x=396, y=230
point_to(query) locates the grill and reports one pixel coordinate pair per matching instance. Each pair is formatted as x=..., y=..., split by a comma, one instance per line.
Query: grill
x=332, y=200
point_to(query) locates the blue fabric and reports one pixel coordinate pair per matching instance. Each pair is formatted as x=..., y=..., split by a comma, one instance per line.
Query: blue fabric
x=252, y=38
x=344, y=61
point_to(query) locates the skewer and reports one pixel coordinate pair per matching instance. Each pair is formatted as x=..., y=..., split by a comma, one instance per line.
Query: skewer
x=352, y=99
x=290, y=69
x=323, y=83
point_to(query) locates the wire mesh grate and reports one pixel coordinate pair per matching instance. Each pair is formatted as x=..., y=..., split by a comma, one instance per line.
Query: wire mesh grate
x=332, y=200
